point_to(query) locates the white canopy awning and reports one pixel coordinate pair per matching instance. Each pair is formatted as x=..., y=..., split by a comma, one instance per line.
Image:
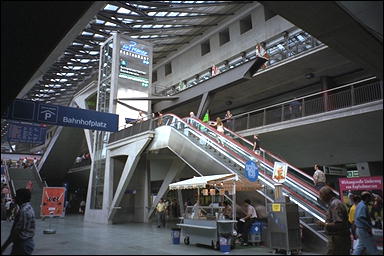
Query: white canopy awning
x=201, y=182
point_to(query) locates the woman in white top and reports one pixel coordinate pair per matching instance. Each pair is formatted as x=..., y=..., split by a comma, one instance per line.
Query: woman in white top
x=220, y=128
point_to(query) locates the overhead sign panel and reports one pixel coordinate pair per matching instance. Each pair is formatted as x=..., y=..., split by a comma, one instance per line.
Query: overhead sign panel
x=134, y=75
x=36, y=112
x=26, y=133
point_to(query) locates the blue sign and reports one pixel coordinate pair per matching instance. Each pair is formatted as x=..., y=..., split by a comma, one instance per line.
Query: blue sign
x=131, y=47
x=31, y=111
x=251, y=171
x=26, y=133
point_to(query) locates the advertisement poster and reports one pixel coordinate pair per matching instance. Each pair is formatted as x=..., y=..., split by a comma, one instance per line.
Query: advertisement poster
x=53, y=201
x=357, y=185
x=279, y=172
x=134, y=77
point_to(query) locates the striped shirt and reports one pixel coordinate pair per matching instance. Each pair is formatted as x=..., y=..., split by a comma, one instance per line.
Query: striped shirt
x=24, y=223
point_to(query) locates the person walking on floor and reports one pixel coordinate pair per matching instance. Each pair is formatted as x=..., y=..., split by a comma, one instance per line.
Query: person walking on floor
x=160, y=208
x=336, y=225
x=364, y=227
x=355, y=200
x=23, y=228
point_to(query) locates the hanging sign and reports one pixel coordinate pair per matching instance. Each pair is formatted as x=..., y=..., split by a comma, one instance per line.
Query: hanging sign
x=280, y=172
x=37, y=112
x=276, y=208
x=251, y=171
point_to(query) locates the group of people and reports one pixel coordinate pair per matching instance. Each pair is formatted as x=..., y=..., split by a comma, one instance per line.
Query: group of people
x=230, y=123
x=349, y=227
x=83, y=157
x=340, y=224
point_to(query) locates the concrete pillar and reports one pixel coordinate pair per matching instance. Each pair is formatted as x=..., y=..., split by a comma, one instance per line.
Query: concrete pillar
x=325, y=85
x=204, y=104
x=147, y=189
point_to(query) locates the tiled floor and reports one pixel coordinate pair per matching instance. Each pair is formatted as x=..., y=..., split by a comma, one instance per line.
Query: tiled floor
x=74, y=236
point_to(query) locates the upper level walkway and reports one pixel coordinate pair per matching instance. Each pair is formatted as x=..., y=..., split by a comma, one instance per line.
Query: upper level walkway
x=351, y=99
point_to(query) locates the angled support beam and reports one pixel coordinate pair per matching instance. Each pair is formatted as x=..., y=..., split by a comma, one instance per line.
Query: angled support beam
x=204, y=104
x=134, y=153
x=176, y=167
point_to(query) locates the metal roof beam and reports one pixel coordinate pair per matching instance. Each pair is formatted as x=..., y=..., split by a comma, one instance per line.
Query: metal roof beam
x=107, y=14
x=197, y=5
x=129, y=7
x=167, y=44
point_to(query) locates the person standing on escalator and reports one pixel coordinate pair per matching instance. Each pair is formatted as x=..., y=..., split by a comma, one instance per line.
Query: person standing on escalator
x=319, y=177
x=220, y=128
x=229, y=119
x=256, y=144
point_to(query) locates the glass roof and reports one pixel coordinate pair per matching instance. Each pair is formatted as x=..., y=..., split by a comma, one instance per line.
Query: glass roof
x=169, y=25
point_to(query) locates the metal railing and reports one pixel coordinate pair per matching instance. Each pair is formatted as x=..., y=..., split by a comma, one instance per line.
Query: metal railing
x=345, y=96
x=278, y=49
x=136, y=128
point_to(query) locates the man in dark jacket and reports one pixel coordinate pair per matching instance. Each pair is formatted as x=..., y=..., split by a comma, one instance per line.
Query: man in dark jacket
x=336, y=224
x=23, y=229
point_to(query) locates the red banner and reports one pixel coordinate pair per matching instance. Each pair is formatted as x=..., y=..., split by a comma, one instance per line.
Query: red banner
x=53, y=201
x=360, y=184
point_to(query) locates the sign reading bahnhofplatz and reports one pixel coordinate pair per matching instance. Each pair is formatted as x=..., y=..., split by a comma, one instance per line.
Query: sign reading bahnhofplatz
x=36, y=112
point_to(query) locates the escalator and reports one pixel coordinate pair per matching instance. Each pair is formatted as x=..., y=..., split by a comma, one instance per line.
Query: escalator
x=298, y=184
x=230, y=152
x=20, y=177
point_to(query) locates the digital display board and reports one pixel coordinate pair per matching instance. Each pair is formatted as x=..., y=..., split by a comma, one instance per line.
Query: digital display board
x=134, y=74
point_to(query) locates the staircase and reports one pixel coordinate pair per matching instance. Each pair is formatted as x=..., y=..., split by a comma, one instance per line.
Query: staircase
x=20, y=177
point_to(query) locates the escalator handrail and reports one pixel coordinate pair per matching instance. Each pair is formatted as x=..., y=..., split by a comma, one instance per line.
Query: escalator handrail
x=311, y=189
x=320, y=212
x=271, y=154
x=225, y=151
x=280, y=159
x=212, y=142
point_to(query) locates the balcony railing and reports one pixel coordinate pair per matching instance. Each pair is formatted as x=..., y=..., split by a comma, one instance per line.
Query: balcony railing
x=278, y=49
x=345, y=96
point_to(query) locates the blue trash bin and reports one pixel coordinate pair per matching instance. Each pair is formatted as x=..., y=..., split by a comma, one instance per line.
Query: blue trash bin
x=225, y=244
x=255, y=232
x=176, y=235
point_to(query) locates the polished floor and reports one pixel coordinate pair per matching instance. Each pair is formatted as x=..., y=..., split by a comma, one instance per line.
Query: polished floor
x=73, y=236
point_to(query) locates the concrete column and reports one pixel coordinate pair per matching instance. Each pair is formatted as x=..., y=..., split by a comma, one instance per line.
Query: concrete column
x=325, y=85
x=204, y=104
x=147, y=189
x=108, y=182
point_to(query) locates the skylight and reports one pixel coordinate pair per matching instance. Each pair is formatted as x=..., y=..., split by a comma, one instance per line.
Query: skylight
x=85, y=33
x=110, y=24
x=110, y=7
x=123, y=10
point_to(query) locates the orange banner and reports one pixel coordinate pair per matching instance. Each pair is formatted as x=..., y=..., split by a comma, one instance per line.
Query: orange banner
x=53, y=201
